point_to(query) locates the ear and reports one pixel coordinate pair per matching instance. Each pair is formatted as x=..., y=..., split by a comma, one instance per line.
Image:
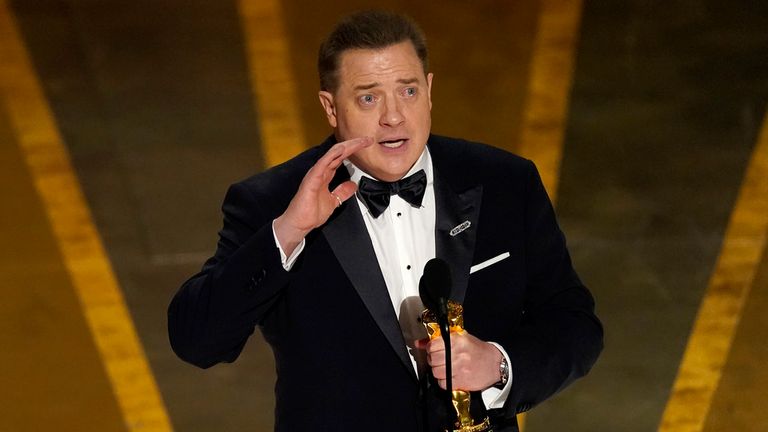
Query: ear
x=429, y=89
x=326, y=100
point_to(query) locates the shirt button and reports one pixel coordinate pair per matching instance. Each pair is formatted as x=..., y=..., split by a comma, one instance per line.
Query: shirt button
x=399, y=214
x=408, y=267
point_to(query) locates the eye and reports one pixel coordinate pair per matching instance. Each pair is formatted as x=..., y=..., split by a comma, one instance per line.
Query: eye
x=367, y=99
x=409, y=91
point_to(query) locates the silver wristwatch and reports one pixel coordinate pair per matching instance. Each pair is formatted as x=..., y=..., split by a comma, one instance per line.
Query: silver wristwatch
x=503, y=372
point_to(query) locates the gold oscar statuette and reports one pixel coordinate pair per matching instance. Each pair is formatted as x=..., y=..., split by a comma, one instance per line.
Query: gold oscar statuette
x=461, y=398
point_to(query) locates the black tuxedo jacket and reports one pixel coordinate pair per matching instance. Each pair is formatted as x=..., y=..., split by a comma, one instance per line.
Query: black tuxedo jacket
x=342, y=363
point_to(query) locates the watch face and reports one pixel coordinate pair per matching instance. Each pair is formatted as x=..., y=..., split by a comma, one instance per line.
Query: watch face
x=504, y=371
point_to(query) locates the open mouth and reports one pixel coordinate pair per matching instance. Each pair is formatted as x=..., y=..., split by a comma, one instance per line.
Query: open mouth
x=393, y=143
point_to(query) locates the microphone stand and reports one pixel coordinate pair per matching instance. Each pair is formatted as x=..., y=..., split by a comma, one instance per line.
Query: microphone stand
x=445, y=331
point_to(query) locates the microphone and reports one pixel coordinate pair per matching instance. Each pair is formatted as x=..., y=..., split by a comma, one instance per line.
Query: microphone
x=435, y=287
x=434, y=290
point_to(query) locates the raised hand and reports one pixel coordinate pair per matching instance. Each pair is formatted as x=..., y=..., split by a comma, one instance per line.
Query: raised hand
x=314, y=203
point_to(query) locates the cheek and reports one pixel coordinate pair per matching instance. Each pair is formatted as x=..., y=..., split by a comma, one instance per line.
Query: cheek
x=352, y=118
x=356, y=121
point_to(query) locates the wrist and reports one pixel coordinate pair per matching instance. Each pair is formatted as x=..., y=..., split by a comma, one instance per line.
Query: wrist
x=287, y=234
x=501, y=368
x=503, y=373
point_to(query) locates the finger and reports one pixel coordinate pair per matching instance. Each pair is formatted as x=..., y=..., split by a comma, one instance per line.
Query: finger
x=334, y=155
x=439, y=372
x=337, y=158
x=421, y=343
x=320, y=174
x=436, y=355
x=325, y=168
x=345, y=190
x=342, y=150
x=435, y=345
x=436, y=359
x=353, y=145
x=332, y=159
x=443, y=384
x=334, y=165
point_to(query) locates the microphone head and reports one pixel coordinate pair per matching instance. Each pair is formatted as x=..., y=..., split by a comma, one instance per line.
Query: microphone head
x=435, y=284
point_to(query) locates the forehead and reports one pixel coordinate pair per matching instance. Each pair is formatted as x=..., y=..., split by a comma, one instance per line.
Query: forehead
x=363, y=66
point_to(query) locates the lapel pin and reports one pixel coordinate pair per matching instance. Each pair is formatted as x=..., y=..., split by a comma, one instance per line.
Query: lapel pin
x=460, y=227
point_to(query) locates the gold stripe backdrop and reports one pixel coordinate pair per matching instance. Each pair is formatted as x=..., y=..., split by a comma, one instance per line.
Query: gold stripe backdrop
x=549, y=87
x=720, y=311
x=273, y=83
x=84, y=256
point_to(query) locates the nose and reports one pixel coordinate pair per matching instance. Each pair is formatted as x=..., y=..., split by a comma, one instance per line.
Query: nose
x=392, y=114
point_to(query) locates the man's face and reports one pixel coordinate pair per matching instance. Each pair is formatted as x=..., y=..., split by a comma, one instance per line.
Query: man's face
x=383, y=94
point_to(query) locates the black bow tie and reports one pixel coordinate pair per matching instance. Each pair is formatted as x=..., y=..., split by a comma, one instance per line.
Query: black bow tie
x=375, y=194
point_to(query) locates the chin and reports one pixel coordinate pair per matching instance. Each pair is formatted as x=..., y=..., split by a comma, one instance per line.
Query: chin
x=395, y=174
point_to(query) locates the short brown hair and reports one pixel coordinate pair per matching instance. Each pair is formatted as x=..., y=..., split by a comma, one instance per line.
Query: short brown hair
x=366, y=30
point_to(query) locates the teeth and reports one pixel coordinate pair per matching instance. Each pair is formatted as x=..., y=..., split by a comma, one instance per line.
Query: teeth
x=393, y=144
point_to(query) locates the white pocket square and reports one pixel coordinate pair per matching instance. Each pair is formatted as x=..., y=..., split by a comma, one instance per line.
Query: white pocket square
x=489, y=262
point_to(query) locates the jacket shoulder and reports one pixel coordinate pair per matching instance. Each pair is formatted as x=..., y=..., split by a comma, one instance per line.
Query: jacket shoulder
x=477, y=160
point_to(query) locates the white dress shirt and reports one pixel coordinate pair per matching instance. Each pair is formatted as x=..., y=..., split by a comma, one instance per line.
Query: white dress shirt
x=403, y=238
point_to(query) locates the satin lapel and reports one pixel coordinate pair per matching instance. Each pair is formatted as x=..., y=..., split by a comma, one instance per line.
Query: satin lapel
x=454, y=238
x=349, y=240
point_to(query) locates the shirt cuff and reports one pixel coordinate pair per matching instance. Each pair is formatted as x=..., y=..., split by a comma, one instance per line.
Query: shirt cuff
x=494, y=397
x=288, y=261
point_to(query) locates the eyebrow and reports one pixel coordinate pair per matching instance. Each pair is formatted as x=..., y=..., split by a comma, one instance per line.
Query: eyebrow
x=376, y=84
x=408, y=80
x=367, y=86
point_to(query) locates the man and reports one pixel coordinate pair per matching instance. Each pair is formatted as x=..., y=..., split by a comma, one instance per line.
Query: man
x=325, y=251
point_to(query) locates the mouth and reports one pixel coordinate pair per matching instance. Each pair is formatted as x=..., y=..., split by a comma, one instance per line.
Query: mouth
x=393, y=143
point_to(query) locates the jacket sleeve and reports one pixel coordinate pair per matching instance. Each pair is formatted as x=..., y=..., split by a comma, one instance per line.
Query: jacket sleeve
x=215, y=311
x=559, y=337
